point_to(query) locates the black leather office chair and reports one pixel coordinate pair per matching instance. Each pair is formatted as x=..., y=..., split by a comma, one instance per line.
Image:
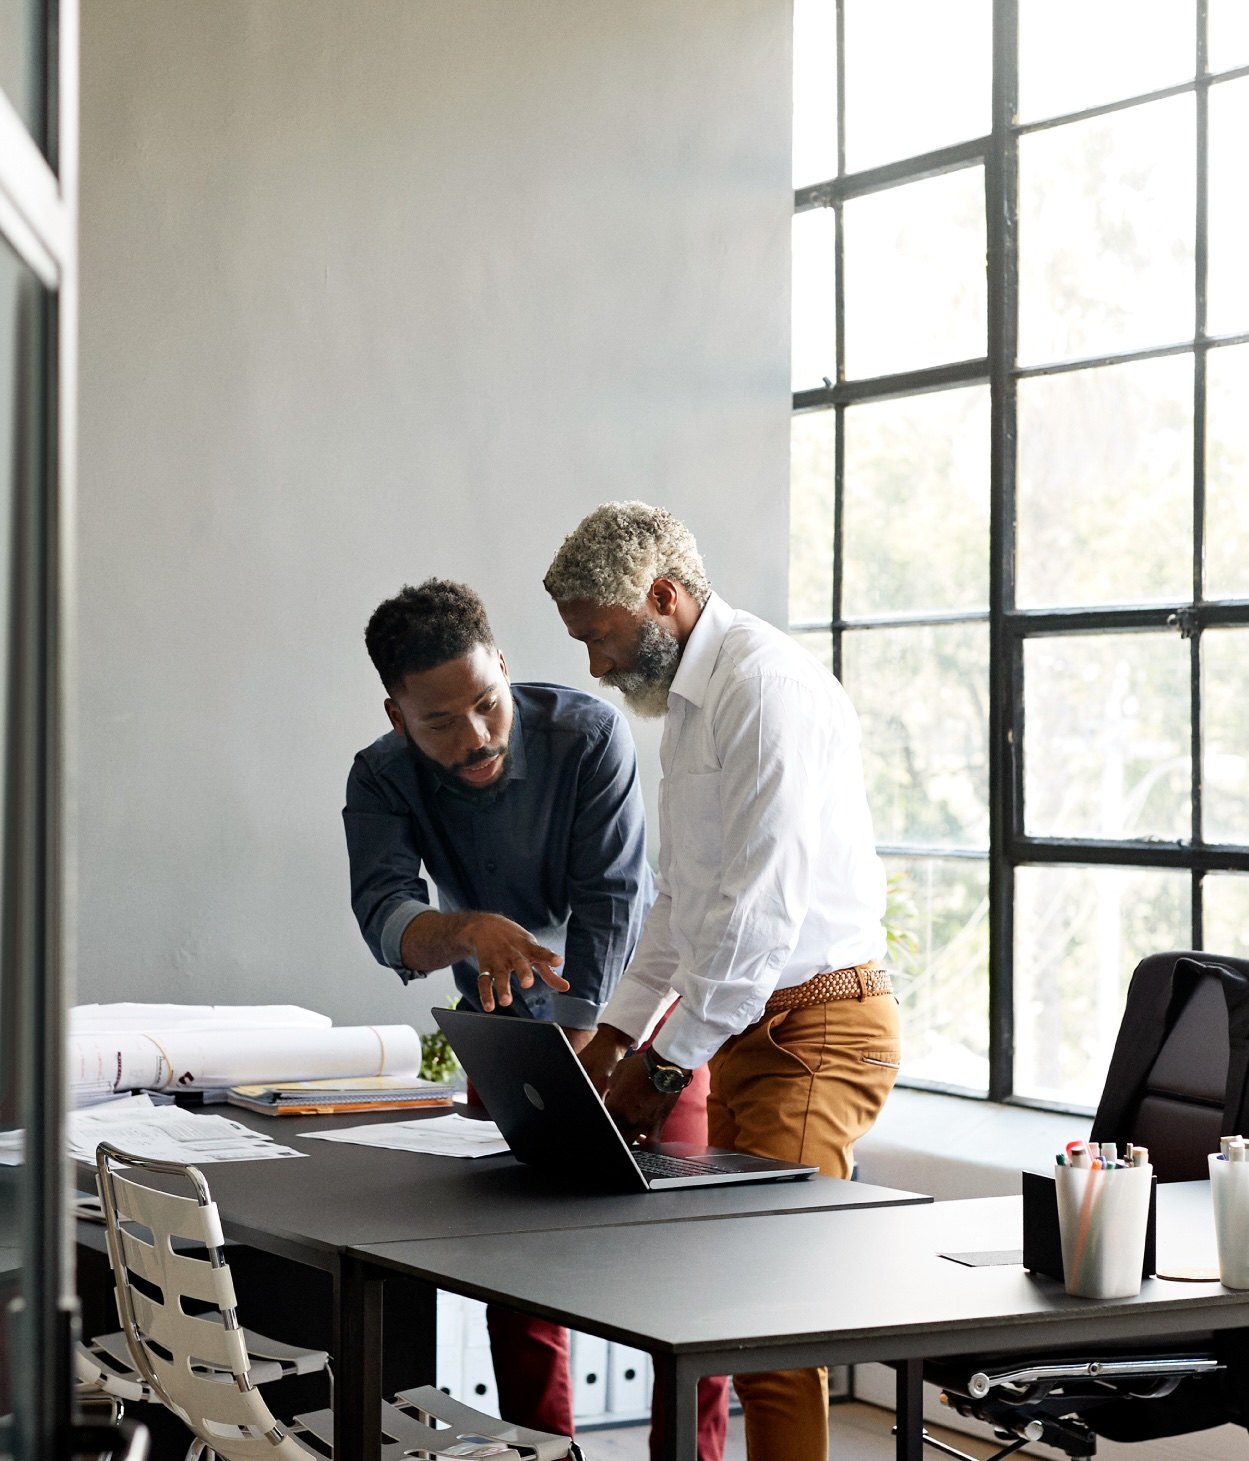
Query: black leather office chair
x=1178, y=1080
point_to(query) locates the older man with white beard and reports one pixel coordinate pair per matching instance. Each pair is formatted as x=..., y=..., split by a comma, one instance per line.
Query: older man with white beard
x=767, y=921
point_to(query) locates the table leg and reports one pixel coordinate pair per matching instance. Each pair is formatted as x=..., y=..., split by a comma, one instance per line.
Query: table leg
x=910, y=1432
x=357, y=1362
x=679, y=1440
x=420, y=1320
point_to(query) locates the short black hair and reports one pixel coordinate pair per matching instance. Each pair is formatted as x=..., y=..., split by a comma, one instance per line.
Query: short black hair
x=423, y=627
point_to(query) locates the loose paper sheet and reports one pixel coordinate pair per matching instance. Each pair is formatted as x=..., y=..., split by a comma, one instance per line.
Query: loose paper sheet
x=169, y=1134
x=441, y=1136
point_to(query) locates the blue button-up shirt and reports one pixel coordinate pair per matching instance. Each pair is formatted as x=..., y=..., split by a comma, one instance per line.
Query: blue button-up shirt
x=561, y=850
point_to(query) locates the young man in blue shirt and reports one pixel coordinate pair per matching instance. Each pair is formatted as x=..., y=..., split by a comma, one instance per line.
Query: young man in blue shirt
x=522, y=804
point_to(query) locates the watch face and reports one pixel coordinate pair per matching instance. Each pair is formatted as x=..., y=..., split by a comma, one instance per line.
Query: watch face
x=667, y=1080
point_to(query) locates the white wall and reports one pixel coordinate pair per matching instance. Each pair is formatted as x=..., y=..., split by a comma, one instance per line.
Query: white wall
x=370, y=291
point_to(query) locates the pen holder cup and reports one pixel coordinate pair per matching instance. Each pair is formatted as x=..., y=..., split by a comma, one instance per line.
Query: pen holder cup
x=1229, y=1192
x=1102, y=1218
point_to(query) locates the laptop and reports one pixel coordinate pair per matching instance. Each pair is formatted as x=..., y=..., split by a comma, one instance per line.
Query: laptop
x=544, y=1103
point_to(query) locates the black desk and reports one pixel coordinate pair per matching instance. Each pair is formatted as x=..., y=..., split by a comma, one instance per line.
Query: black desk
x=325, y=1209
x=786, y=1292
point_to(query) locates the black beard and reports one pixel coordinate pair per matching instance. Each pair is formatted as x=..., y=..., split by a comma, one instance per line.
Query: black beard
x=482, y=795
x=645, y=687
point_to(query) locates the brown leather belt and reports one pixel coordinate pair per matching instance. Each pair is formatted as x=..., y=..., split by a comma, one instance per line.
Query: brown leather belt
x=856, y=983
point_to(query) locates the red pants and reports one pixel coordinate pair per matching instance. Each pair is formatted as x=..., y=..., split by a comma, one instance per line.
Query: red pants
x=531, y=1355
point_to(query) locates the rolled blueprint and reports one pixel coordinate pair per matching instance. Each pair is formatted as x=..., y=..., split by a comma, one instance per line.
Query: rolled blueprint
x=89, y=1019
x=190, y=1057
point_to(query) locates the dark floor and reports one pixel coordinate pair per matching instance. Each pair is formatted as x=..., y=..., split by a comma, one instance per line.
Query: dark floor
x=857, y=1432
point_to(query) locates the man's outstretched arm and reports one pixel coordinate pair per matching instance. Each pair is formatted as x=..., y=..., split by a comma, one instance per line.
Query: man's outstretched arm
x=500, y=947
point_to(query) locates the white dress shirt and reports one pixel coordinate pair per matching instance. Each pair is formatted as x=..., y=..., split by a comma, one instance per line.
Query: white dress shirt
x=768, y=871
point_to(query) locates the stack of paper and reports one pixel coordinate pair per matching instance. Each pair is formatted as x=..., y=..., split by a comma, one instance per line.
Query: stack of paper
x=440, y=1136
x=331, y=1097
x=90, y=1092
x=168, y=1134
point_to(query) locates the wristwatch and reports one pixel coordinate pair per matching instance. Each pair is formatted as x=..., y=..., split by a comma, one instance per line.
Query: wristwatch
x=671, y=1080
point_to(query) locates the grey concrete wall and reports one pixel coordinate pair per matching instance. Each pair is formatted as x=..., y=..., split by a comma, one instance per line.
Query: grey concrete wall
x=370, y=291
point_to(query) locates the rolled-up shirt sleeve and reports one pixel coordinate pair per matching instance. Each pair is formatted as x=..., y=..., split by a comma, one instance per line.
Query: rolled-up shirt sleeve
x=387, y=889
x=609, y=881
x=769, y=737
x=646, y=990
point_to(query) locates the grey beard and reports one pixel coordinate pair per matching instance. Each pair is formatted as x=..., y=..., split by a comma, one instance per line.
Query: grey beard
x=645, y=687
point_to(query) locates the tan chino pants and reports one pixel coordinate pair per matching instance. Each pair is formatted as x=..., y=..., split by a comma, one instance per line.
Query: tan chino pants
x=801, y=1086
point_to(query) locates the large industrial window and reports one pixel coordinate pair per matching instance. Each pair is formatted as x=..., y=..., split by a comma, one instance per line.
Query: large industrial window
x=1020, y=496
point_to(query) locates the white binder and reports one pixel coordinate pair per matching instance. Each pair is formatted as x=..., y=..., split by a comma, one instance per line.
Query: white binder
x=628, y=1380
x=450, y=1351
x=589, y=1375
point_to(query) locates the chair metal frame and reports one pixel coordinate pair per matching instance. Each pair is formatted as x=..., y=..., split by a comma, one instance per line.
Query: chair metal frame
x=227, y=1379
x=207, y=1379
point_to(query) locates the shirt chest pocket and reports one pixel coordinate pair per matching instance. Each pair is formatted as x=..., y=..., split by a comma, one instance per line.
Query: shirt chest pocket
x=697, y=822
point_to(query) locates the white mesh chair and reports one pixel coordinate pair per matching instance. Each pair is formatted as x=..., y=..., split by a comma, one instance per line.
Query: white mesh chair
x=101, y=1373
x=178, y=1314
x=431, y=1404
x=103, y=1366
x=181, y=1335
x=408, y=1431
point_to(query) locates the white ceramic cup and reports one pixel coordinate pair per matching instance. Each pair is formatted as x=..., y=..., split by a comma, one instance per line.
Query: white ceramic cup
x=1229, y=1192
x=1102, y=1217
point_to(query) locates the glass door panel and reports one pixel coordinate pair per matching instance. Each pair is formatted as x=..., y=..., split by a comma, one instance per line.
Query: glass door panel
x=813, y=304
x=1105, y=493
x=811, y=495
x=1227, y=472
x=1073, y=54
x=1225, y=914
x=916, y=291
x=1227, y=310
x=917, y=504
x=922, y=697
x=1225, y=736
x=815, y=91
x=1227, y=34
x=937, y=916
x=1079, y=933
x=1108, y=747
x=918, y=77
x=1106, y=233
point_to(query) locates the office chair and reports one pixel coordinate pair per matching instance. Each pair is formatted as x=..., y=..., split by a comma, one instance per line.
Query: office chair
x=104, y=1381
x=1178, y=1080
x=181, y=1343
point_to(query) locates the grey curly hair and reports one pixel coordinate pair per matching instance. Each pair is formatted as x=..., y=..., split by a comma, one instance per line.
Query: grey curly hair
x=616, y=553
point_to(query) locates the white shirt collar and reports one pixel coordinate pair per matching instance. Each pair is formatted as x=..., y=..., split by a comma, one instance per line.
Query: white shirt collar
x=701, y=651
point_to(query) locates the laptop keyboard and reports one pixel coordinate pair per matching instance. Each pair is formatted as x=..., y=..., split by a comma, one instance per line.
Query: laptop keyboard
x=658, y=1164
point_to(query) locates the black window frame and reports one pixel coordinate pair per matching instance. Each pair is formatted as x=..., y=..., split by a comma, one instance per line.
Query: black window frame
x=1010, y=627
